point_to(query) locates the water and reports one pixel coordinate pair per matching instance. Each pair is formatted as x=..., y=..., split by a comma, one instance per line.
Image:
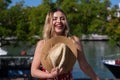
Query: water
x=94, y=52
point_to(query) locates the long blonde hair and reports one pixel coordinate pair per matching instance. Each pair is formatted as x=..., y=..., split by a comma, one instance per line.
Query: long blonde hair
x=48, y=30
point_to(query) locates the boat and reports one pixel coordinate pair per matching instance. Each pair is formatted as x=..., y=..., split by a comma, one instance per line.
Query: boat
x=15, y=66
x=94, y=37
x=2, y=52
x=113, y=65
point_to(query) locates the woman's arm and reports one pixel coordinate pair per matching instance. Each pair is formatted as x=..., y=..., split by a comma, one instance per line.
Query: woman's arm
x=85, y=67
x=35, y=68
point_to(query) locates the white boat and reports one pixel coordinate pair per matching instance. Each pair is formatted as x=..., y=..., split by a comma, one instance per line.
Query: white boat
x=3, y=52
x=113, y=65
x=94, y=37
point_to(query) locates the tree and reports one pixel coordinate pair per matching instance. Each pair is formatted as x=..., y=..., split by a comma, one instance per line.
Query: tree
x=113, y=31
x=4, y=4
x=3, y=12
x=84, y=16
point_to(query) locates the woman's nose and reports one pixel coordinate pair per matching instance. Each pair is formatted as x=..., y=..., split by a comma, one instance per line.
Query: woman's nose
x=58, y=20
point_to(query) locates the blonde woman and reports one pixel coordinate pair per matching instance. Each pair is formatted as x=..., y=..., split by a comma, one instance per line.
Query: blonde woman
x=56, y=25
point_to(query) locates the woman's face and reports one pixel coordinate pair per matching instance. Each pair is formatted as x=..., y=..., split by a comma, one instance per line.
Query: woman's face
x=59, y=21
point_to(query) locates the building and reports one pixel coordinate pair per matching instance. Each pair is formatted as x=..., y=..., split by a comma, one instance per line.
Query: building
x=117, y=14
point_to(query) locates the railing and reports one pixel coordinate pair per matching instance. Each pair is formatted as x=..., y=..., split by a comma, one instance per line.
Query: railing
x=15, y=66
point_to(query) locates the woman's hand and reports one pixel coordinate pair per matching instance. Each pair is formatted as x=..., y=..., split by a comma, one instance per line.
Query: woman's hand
x=55, y=72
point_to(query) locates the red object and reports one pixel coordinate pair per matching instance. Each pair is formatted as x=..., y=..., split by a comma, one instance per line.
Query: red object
x=23, y=53
x=117, y=61
x=65, y=76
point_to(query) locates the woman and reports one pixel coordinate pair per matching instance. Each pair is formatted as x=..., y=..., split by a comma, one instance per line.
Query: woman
x=56, y=25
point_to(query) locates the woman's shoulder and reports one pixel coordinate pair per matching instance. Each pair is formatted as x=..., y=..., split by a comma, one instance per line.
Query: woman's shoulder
x=75, y=38
x=40, y=42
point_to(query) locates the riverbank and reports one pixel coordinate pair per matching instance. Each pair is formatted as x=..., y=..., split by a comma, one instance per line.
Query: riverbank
x=94, y=37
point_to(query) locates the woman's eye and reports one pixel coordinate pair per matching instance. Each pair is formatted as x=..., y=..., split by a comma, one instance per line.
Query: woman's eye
x=54, y=18
x=62, y=18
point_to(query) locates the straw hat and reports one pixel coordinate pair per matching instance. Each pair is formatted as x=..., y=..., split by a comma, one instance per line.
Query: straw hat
x=58, y=52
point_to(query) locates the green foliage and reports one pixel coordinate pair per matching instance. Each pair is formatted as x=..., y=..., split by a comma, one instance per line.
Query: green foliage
x=4, y=4
x=84, y=17
x=113, y=31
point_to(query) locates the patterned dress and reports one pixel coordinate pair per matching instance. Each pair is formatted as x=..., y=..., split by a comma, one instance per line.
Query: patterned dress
x=65, y=76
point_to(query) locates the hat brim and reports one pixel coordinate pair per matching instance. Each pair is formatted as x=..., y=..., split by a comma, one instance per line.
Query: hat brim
x=46, y=62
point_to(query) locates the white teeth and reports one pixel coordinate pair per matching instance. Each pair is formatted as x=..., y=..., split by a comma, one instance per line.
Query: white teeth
x=59, y=25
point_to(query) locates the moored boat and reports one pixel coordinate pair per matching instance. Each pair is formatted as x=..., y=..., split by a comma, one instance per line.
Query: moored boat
x=15, y=66
x=113, y=65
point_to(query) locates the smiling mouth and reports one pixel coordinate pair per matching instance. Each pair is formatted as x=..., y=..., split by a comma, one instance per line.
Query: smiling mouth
x=59, y=26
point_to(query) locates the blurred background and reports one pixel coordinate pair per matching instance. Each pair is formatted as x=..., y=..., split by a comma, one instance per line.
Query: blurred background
x=96, y=22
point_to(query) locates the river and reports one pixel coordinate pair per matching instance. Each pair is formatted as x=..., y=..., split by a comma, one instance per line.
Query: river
x=94, y=53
